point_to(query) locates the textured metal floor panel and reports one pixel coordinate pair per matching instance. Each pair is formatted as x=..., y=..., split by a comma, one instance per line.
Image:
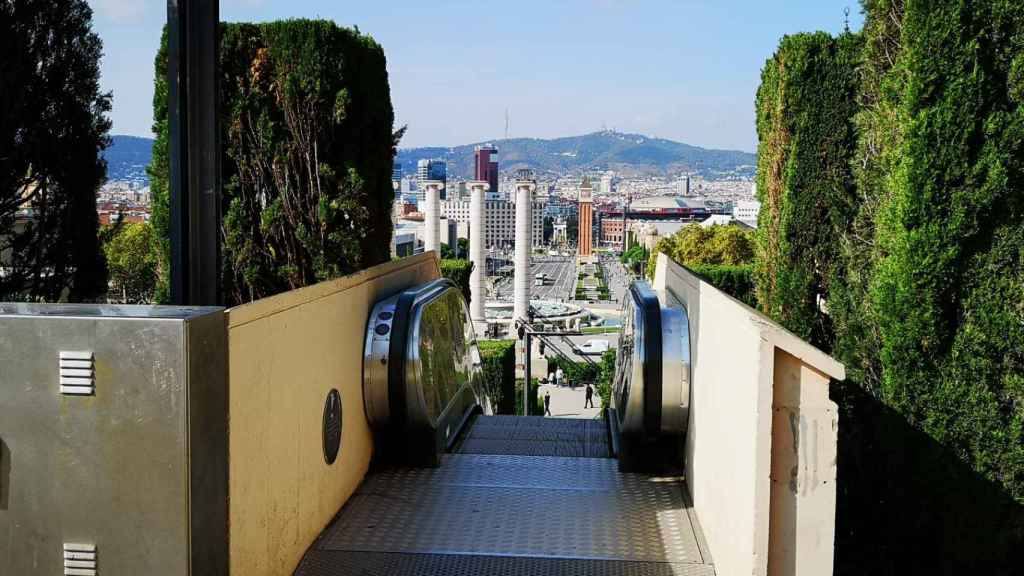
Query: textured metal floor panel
x=331, y=563
x=537, y=436
x=532, y=507
x=504, y=512
x=512, y=471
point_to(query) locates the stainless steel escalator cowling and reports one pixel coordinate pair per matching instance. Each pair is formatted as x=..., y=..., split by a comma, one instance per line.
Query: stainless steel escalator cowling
x=436, y=351
x=669, y=349
x=441, y=357
x=675, y=396
x=627, y=390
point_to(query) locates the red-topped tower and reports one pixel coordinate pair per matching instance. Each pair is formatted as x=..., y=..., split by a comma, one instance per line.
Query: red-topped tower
x=585, y=218
x=486, y=165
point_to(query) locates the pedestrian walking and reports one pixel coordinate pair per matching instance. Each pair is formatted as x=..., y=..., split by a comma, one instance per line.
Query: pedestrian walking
x=590, y=396
x=547, y=403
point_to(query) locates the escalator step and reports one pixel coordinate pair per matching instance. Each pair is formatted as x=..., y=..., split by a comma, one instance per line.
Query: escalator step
x=334, y=563
x=536, y=436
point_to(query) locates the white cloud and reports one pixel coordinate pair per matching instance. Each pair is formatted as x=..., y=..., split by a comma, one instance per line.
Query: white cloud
x=121, y=11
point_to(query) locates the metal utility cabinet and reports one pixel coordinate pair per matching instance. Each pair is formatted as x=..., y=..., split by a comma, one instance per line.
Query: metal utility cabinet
x=113, y=440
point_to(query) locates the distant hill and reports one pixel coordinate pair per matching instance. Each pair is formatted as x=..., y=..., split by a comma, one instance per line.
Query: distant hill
x=607, y=150
x=127, y=158
x=630, y=154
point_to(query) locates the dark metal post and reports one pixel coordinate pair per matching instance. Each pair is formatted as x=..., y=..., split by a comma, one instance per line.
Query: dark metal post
x=194, y=149
x=527, y=375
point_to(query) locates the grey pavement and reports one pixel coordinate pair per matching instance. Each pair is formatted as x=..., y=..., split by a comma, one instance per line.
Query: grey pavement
x=568, y=402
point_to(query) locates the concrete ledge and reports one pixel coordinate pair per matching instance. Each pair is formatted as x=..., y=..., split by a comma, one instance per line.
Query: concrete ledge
x=761, y=444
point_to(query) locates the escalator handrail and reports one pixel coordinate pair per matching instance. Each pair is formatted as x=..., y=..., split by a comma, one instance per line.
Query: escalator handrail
x=648, y=305
x=398, y=346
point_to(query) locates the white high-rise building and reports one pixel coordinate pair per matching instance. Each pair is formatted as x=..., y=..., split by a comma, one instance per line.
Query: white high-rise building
x=746, y=211
x=607, y=183
x=499, y=221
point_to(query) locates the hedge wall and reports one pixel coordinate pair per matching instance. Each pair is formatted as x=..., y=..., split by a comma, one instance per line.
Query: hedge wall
x=949, y=289
x=306, y=130
x=499, y=371
x=921, y=274
x=736, y=281
x=805, y=109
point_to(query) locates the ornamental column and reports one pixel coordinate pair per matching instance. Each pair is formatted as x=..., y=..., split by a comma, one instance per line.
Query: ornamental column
x=477, y=255
x=432, y=216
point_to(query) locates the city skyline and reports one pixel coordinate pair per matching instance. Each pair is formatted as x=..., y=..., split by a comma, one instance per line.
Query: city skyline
x=664, y=69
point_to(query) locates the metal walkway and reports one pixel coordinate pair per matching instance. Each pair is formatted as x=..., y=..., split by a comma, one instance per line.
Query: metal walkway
x=541, y=503
x=536, y=436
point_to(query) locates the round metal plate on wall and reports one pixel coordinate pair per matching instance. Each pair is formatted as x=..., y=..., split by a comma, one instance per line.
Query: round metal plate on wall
x=332, y=426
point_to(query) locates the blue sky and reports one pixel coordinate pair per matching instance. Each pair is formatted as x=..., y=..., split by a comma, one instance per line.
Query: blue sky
x=684, y=69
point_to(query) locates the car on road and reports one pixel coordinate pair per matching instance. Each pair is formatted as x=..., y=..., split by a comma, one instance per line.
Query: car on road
x=594, y=347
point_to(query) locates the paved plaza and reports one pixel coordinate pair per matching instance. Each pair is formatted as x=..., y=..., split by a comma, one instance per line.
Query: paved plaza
x=568, y=402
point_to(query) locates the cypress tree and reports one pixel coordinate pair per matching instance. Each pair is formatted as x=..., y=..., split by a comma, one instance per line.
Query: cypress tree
x=805, y=110
x=949, y=287
x=308, y=143
x=53, y=128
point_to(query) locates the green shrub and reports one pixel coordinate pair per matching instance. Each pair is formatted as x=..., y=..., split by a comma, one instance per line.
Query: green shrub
x=132, y=263
x=605, y=378
x=536, y=404
x=695, y=244
x=458, y=271
x=949, y=286
x=499, y=365
x=575, y=373
x=736, y=281
x=306, y=132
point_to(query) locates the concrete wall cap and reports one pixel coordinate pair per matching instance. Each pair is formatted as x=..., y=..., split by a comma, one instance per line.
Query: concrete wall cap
x=770, y=330
x=270, y=305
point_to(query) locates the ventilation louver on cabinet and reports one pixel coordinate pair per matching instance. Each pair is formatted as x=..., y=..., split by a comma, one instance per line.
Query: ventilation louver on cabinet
x=79, y=559
x=77, y=376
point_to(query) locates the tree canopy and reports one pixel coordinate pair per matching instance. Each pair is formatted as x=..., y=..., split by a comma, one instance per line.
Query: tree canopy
x=53, y=128
x=132, y=263
x=308, y=142
x=716, y=245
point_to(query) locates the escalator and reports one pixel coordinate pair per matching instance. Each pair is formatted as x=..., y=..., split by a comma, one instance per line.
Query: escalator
x=456, y=489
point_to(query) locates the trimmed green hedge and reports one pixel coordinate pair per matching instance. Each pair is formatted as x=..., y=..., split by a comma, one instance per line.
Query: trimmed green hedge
x=736, y=281
x=805, y=108
x=306, y=133
x=536, y=403
x=499, y=369
x=605, y=377
x=919, y=269
x=695, y=245
x=458, y=271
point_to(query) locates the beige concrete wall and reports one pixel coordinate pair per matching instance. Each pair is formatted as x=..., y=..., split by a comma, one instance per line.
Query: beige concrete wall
x=730, y=450
x=803, y=473
x=285, y=354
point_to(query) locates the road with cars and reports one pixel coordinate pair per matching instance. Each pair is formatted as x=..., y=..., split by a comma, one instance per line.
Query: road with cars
x=558, y=286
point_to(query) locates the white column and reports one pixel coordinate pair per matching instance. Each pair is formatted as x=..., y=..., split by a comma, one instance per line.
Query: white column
x=432, y=217
x=524, y=229
x=477, y=255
